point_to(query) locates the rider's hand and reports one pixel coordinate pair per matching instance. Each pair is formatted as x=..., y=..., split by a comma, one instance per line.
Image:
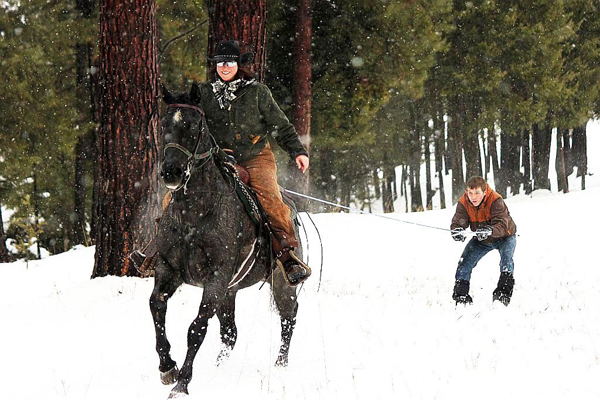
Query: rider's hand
x=302, y=162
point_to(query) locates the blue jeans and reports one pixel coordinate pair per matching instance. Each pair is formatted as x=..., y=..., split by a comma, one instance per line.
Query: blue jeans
x=475, y=250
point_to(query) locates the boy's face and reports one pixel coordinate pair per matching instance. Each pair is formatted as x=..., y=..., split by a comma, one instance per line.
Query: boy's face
x=475, y=195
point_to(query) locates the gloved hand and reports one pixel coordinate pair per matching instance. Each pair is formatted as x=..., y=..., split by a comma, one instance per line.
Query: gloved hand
x=483, y=232
x=458, y=234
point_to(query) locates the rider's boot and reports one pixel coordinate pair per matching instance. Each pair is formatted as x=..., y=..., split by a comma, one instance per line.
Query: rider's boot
x=294, y=269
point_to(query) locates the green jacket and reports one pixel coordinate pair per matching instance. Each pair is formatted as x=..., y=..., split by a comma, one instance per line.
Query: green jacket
x=252, y=116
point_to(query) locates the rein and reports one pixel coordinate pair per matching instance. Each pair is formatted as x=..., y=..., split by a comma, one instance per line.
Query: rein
x=192, y=157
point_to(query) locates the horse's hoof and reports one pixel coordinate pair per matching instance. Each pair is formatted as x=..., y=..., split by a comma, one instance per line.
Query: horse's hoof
x=178, y=391
x=169, y=377
x=282, y=361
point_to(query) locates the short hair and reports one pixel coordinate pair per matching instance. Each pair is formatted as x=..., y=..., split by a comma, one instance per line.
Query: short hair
x=477, y=182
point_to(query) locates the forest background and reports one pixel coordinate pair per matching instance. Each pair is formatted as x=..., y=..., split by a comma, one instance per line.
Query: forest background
x=476, y=86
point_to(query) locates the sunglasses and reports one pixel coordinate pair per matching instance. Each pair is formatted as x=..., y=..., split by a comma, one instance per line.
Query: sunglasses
x=230, y=64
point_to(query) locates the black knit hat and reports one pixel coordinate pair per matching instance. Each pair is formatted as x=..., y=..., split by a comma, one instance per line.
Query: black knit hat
x=230, y=51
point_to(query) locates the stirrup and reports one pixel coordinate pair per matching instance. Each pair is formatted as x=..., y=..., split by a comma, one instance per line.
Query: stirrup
x=142, y=263
x=294, y=278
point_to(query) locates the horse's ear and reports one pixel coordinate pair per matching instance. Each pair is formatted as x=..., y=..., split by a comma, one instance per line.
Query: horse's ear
x=167, y=96
x=195, y=95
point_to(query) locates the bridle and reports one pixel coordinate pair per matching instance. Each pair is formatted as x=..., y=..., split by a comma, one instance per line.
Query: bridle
x=192, y=157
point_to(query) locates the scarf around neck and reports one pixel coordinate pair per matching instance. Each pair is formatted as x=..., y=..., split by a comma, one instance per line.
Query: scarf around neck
x=225, y=91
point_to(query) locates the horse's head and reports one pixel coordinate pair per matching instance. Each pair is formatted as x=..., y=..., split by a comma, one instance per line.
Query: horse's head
x=185, y=139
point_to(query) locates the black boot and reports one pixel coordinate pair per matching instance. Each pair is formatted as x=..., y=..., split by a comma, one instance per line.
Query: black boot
x=504, y=291
x=293, y=268
x=461, y=292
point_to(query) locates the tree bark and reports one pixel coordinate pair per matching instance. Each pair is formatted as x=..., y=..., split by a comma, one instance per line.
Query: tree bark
x=428, y=187
x=579, y=152
x=244, y=21
x=389, y=176
x=542, y=138
x=472, y=155
x=439, y=143
x=526, y=161
x=559, y=163
x=126, y=201
x=85, y=104
x=455, y=139
x=301, y=90
x=4, y=256
x=499, y=181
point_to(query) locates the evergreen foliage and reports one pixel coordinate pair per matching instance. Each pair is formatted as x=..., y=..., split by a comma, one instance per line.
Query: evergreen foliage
x=395, y=84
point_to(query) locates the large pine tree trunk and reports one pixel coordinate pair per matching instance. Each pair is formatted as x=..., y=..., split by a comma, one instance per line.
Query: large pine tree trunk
x=126, y=201
x=244, y=21
x=542, y=138
x=301, y=90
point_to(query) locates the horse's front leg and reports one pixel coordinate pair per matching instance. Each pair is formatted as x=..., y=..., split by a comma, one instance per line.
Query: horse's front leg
x=226, y=315
x=165, y=284
x=211, y=298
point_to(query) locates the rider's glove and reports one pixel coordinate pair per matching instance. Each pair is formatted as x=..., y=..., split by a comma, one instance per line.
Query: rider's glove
x=483, y=232
x=458, y=234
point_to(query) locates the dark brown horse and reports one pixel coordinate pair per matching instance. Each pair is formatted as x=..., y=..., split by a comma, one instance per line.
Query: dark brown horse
x=204, y=234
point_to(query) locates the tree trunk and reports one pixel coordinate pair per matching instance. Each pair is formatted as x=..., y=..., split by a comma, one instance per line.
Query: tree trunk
x=455, y=139
x=472, y=155
x=579, y=152
x=485, y=164
x=428, y=187
x=389, y=176
x=301, y=89
x=403, y=188
x=542, y=138
x=126, y=201
x=567, y=151
x=559, y=163
x=85, y=105
x=36, y=211
x=510, y=144
x=439, y=157
x=499, y=181
x=244, y=21
x=526, y=161
x=4, y=256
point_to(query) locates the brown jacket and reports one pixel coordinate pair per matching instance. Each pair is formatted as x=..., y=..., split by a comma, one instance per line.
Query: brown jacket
x=492, y=212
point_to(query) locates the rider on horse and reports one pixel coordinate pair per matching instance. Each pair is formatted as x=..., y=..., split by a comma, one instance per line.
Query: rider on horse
x=240, y=113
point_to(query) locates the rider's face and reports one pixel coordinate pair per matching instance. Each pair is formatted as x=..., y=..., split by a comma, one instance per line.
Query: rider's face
x=227, y=70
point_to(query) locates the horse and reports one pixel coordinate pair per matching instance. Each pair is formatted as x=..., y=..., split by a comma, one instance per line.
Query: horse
x=202, y=236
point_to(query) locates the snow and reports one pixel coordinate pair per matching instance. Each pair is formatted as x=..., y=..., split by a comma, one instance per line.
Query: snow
x=382, y=326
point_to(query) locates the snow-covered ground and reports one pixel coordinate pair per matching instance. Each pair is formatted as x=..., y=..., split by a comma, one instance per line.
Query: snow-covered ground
x=382, y=326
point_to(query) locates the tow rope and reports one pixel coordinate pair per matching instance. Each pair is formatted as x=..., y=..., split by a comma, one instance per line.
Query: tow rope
x=465, y=232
